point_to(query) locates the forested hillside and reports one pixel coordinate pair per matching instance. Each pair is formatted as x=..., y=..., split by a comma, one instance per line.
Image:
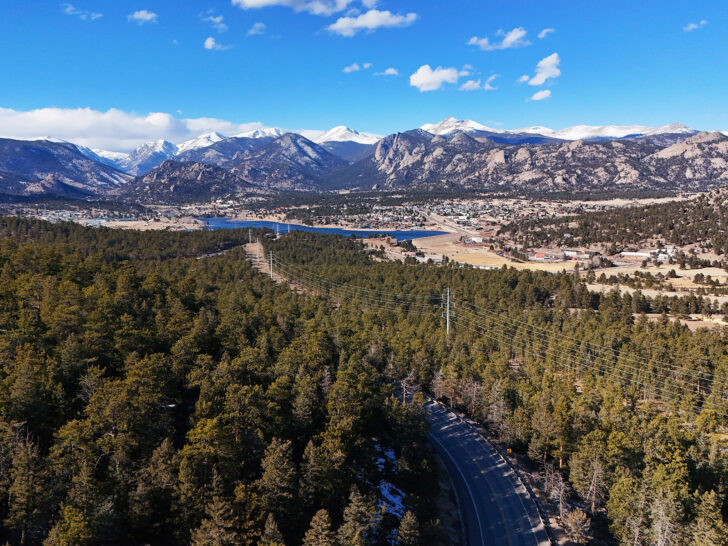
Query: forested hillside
x=149, y=397
x=632, y=412
x=175, y=400
x=703, y=220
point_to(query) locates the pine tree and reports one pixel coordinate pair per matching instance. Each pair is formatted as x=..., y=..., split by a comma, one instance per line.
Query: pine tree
x=272, y=536
x=359, y=520
x=278, y=484
x=320, y=533
x=218, y=528
x=27, y=492
x=408, y=533
x=708, y=528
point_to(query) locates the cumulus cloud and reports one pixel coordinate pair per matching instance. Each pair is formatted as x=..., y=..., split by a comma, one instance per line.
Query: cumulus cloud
x=113, y=129
x=371, y=20
x=547, y=68
x=523, y=79
x=540, y=95
x=315, y=7
x=388, y=72
x=212, y=45
x=84, y=15
x=257, y=29
x=216, y=22
x=694, y=26
x=512, y=38
x=545, y=32
x=426, y=79
x=142, y=17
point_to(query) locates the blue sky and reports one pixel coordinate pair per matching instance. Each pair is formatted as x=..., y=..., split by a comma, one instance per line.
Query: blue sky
x=617, y=62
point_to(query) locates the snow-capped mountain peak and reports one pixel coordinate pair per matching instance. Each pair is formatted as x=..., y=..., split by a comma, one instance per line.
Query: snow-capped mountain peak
x=265, y=132
x=450, y=125
x=202, y=141
x=341, y=133
x=591, y=132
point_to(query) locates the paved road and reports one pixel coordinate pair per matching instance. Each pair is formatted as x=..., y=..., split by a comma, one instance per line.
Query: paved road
x=494, y=505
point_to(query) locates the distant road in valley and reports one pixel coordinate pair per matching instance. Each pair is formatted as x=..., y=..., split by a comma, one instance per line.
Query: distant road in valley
x=494, y=505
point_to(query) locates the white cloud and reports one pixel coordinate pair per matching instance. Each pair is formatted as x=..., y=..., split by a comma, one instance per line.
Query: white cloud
x=211, y=44
x=369, y=4
x=547, y=68
x=545, y=32
x=426, y=79
x=388, y=72
x=474, y=85
x=523, y=79
x=694, y=26
x=512, y=38
x=355, y=67
x=84, y=15
x=488, y=85
x=541, y=95
x=216, y=22
x=371, y=20
x=315, y=7
x=257, y=29
x=470, y=85
x=113, y=129
x=142, y=16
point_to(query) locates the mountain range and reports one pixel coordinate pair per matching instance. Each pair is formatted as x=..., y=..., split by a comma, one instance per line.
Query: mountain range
x=449, y=154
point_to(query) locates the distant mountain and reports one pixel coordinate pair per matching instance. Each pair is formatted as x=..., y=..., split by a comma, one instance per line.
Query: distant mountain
x=289, y=162
x=202, y=141
x=183, y=182
x=58, y=168
x=347, y=143
x=266, y=132
x=147, y=156
x=452, y=125
x=578, y=132
x=417, y=159
x=226, y=153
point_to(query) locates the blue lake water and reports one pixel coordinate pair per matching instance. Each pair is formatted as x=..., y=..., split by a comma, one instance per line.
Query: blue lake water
x=400, y=235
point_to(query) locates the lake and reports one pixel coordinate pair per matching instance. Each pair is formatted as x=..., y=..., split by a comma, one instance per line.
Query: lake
x=400, y=235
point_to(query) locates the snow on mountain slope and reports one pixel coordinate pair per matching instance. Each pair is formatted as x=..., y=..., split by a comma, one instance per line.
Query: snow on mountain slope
x=202, y=141
x=450, y=125
x=274, y=132
x=590, y=132
x=341, y=133
x=577, y=132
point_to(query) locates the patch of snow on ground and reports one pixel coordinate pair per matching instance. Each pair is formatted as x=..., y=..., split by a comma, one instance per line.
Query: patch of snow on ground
x=392, y=498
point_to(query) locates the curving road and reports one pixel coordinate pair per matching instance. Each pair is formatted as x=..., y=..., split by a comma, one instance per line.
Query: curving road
x=494, y=505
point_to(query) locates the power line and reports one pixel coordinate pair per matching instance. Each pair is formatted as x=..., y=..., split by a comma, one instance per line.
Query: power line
x=652, y=374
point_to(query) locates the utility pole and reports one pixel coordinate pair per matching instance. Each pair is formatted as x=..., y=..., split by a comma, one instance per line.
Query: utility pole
x=447, y=313
x=271, y=264
x=257, y=250
x=250, y=237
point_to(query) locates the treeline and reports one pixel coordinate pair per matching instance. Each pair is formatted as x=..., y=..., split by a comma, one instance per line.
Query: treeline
x=625, y=417
x=703, y=220
x=149, y=397
x=120, y=244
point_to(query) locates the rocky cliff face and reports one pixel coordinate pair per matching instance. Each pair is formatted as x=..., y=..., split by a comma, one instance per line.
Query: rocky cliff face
x=418, y=159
